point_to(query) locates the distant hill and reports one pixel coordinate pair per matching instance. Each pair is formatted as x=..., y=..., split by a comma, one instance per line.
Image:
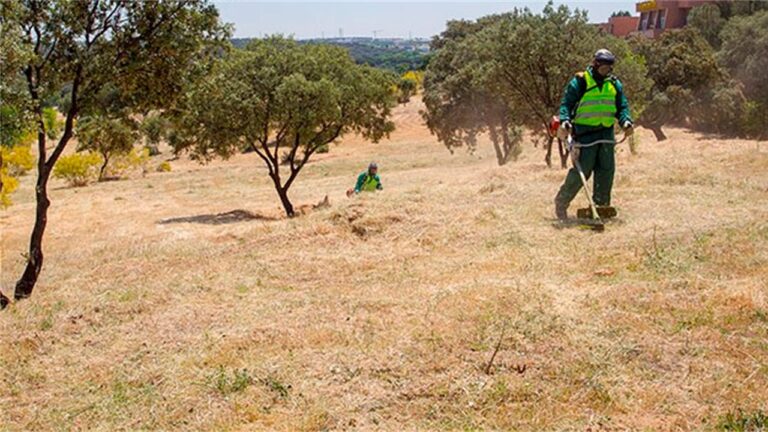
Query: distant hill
x=397, y=55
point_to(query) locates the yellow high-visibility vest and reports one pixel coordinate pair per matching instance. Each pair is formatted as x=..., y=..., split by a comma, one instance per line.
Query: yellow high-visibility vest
x=598, y=105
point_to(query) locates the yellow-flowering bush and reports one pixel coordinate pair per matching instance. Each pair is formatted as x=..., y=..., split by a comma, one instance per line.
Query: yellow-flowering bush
x=164, y=167
x=415, y=76
x=9, y=184
x=78, y=169
x=123, y=164
x=14, y=161
x=18, y=159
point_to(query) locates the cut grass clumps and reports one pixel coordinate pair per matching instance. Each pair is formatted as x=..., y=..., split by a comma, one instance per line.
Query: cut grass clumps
x=740, y=421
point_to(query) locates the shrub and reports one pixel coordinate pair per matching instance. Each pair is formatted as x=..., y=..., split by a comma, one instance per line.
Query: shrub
x=164, y=167
x=78, y=169
x=720, y=109
x=409, y=85
x=126, y=163
x=52, y=123
x=417, y=76
x=9, y=184
x=112, y=138
x=18, y=159
x=14, y=161
x=754, y=120
x=155, y=130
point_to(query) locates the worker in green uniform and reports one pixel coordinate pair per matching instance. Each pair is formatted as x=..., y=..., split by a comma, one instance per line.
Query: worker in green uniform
x=368, y=181
x=594, y=100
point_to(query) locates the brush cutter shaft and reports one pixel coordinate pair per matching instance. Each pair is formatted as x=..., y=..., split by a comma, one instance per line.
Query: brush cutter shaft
x=585, y=186
x=573, y=143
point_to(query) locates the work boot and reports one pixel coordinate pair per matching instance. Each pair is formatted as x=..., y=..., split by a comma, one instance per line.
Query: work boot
x=561, y=210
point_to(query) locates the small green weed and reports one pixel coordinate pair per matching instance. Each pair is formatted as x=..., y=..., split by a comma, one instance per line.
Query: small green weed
x=226, y=383
x=740, y=421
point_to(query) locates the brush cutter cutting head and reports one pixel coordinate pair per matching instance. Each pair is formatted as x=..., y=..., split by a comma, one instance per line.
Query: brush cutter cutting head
x=597, y=226
x=590, y=224
x=603, y=212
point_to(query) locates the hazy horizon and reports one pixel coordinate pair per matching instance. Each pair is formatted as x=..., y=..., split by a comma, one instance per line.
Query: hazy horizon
x=392, y=19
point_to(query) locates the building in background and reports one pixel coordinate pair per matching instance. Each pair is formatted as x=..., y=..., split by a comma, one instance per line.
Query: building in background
x=659, y=15
x=620, y=26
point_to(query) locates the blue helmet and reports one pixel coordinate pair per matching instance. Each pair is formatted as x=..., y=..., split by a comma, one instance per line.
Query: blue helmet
x=604, y=56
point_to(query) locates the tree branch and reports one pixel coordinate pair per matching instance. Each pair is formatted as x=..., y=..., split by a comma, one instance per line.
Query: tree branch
x=261, y=155
x=307, y=153
x=272, y=162
x=105, y=24
x=34, y=95
x=69, y=123
x=294, y=149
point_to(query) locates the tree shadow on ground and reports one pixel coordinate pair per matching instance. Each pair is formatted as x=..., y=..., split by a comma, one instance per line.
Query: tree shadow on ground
x=229, y=217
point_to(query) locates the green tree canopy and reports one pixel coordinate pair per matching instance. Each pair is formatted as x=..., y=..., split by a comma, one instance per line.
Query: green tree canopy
x=708, y=20
x=745, y=54
x=107, y=136
x=509, y=71
x=145, y=49
x=278, y=96
x=458, y=105
x=684, y=71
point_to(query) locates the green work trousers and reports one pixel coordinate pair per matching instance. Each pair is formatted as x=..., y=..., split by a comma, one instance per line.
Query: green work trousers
x=600, y=159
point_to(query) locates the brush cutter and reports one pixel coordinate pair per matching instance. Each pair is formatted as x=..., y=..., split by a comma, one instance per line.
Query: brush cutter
x=595, y=223
x=606, y=212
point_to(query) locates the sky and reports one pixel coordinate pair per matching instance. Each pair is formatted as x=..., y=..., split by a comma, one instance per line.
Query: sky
x=390, y=19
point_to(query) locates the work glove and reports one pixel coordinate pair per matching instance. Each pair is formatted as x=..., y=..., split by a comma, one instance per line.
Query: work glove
x=565, y=130
x=629, y=128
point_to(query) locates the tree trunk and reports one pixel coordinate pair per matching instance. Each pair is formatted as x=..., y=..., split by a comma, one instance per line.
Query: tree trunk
x=500, y=159
x=26, y=283
x=548, y=157
x=283, y=193
x=4, y=301
x=508, y=145
x=656, y=129
x=35, y=259
x=103, y=168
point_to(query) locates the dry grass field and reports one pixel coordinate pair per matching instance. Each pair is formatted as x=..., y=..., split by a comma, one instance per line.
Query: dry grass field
x=186, y=301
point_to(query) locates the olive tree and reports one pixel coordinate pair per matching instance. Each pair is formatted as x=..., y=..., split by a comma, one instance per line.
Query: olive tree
x=144, y=48
x=684, y=69
x=459, y=104
x=516, y=66
x=106, y=136
x=708, y=20
x=745, y=54
x=285, y=101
